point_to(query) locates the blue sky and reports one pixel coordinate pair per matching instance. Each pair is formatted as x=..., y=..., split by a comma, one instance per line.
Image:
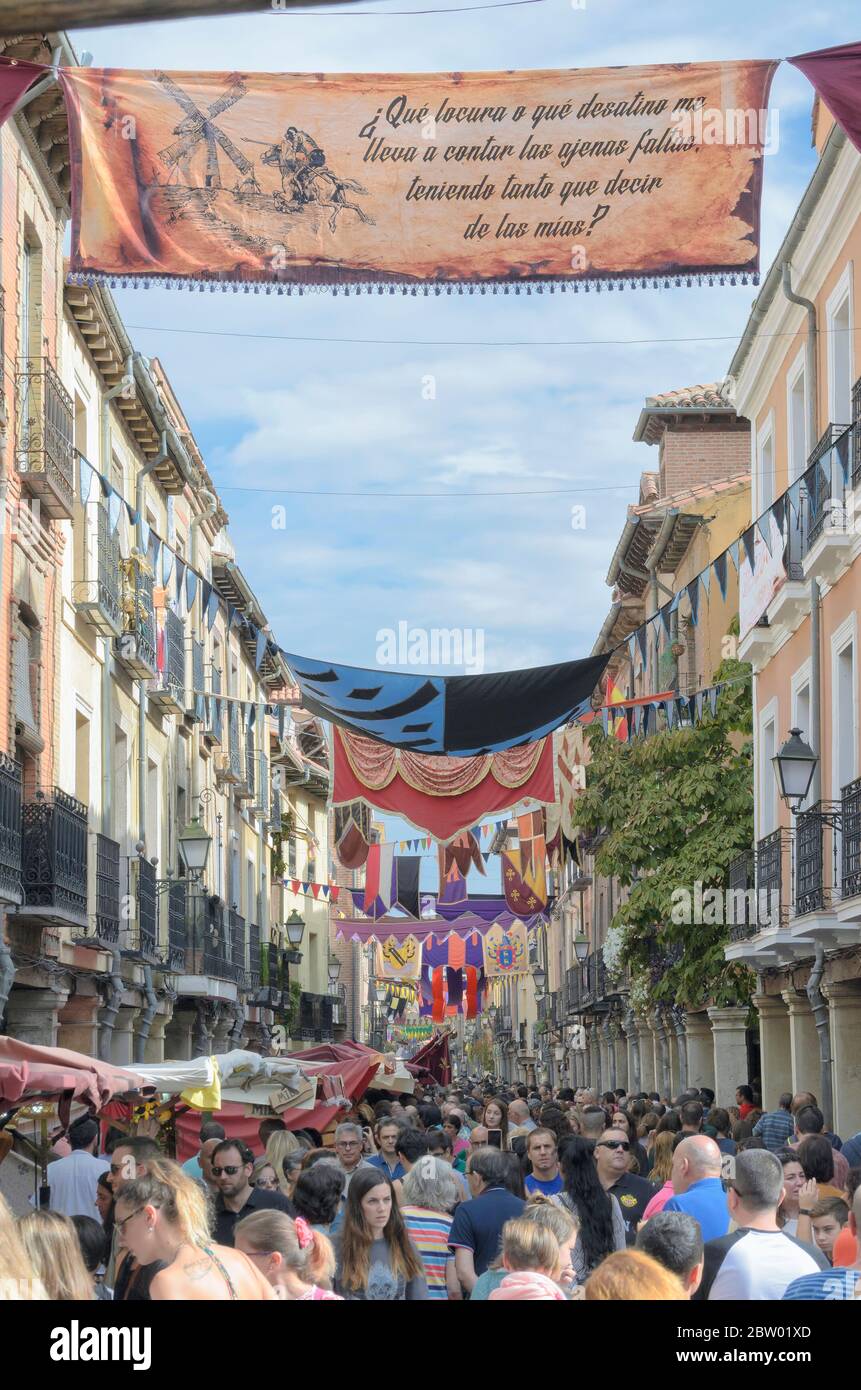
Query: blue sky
x=338, y=415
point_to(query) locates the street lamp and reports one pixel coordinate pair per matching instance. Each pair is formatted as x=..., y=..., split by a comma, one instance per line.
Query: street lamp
x=794, y=767
x=581, y=946
x=194, y=842
x=539, y=979
x=334, y=969
x=296, y=929
x=382, y=992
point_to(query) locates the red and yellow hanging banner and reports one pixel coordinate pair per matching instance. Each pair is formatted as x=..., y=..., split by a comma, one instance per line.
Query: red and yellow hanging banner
x=416, y=179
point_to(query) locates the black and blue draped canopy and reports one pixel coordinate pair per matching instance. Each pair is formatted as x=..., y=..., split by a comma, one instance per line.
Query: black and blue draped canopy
x=457, y=715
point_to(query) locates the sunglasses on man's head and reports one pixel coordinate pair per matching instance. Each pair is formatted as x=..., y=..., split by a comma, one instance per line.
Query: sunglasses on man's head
x=231, y=1169
x=613, y=1144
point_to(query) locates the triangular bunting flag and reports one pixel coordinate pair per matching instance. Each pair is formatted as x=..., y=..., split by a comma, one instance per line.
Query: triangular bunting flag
x=749, y=544
x=211, y=609
x=643, y=640
x=166, y=565
x=841, y=449
x=713, y=698
x=693, y=591
x=190, y=587
x=260, y=651
x=282, y=710
x=605, y=719
x=706, y=580
x=315, y=890
x=764, y=528
x=778, y=511
x=698, y=706
x=180, y=579
x=664, y=615
x=732, y=552
x=670, y=712
x=115, y=505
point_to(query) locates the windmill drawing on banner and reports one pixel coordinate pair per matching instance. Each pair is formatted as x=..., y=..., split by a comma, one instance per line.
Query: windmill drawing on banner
x=199, y=162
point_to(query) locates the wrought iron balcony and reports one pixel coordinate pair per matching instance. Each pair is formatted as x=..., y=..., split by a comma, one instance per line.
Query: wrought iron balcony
x=212, y=717
x=177, y=925
x=276, y=809
x=773, y=879
x=246, y=786
x=253, y=957
x=826, y=486
x=741, y=882
x=851, y=830
x=195, y=706
x=273, y=975
x=315, y=1023
x=97, y=591
x=548, y=1009
x=106, y=919
x=856, y=433
x=136, y=645
x=572, y=988
x=45, y=442
x=814, y=867
x=10, y=830
x=54, y=859
x=261, y=787
x=168, y=690
x=230, y=768
x=236, y=924
x=140, y=937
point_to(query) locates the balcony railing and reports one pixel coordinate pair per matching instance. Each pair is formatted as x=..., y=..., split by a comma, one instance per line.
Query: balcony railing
x=212, y=721
x=169, y=691
x=195, y=698
x=741, y=884
x=236, y=925
x=261, y=790
x=315, y=1018
x=177, y=924
x=773, y=880
x=856, y=434
x=107, y=889
x=815, y=867
x=572, y=988
x=97, y=593
x=45, y=443
x=851, y=834
x=10, y=830
x=140, y=937
x=54, y=857
x=136, y=646
x=253, y=957
x=830, y=454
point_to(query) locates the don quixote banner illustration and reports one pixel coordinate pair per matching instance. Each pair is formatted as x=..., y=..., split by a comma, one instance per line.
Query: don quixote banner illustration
x=423, y=181
x=420, y=178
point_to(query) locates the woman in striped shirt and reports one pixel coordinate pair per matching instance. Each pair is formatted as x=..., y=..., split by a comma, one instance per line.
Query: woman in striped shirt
x=428, y=1199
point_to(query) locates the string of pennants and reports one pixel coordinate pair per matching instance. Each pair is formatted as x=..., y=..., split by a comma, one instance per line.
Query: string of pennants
x=326, y=891
x=813, y=489
x=426, y=841
x=679, y=711
x=190, y=585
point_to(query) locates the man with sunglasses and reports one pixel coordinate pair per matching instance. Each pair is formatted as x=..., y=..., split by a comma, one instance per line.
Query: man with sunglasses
x=232, y=1167
x=612, y=1157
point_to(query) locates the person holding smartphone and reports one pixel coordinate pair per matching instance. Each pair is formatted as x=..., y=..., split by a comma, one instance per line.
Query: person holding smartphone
x=495, y=1121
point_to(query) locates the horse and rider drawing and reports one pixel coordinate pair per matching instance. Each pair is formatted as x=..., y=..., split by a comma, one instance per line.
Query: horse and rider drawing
x=306, y=180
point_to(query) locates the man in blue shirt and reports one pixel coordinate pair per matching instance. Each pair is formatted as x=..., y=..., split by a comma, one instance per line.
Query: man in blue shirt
x=543, y=1155
x=697, y=1185
x=777, y=1127
x=476, y=1231
x=388, y=1133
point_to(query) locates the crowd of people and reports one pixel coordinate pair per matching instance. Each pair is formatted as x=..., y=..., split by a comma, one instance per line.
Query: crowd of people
x=467, y=1192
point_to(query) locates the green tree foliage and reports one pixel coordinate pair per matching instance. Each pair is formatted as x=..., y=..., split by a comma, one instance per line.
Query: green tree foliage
x=676, y=808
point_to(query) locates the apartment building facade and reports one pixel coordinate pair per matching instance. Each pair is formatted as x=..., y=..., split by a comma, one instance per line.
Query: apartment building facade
x=795, y=372
x=141, y=682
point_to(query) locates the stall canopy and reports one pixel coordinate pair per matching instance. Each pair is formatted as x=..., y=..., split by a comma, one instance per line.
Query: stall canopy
x=344, y=1071
x=29, y=1073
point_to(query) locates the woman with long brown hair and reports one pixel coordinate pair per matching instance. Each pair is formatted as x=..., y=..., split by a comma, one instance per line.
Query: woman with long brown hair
x=661, y=1171
x=376, y=1260
x=495, y=1116
x=51, y=1243
x=163, y=1216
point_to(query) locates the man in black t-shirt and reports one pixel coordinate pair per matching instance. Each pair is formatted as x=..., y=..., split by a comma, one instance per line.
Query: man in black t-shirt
x=232, y=1166
x=612, y=1153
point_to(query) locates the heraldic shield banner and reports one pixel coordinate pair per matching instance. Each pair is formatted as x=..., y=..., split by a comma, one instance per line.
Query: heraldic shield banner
x=506, y=950
x=416, y=179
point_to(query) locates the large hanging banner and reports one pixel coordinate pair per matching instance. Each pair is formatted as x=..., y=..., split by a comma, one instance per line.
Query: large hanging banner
x=576, y=175
x=461, y=716
x=438, y=794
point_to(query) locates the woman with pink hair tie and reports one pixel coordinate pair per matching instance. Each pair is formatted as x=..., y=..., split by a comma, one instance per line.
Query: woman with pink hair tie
x=530, y=1256
x=298, y=1261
